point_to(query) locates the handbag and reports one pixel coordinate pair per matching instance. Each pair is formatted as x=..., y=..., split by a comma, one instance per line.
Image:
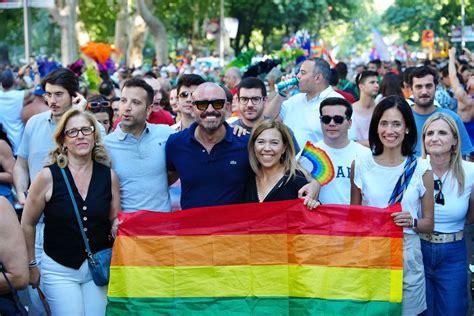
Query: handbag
x=11, y=306
x=99, y=263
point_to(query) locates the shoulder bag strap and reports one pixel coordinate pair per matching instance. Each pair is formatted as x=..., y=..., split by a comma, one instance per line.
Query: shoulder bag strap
x=13, y=291
x=76, y=211
x=404, y=180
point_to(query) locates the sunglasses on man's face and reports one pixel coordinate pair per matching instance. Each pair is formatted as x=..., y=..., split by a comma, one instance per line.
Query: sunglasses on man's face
x=338, y=119
x=202, y=105
x=184, y=94
x=439, y=197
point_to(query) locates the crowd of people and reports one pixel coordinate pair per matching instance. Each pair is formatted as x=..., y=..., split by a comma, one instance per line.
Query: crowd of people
x=145, y=142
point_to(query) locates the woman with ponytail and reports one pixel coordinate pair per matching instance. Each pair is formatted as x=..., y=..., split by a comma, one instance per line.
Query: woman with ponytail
x=65, y=275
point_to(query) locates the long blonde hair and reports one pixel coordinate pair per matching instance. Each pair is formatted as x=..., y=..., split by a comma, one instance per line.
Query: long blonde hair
x=455, y=163
x=59, y=153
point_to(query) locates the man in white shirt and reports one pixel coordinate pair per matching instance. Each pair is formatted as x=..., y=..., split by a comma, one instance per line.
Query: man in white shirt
x=336, y=121
x=300, y=112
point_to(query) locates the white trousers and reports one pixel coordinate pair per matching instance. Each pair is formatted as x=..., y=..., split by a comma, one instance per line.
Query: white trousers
x=72, y=292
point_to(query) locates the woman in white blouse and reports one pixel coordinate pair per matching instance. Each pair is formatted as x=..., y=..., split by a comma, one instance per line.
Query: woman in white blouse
x=444, y=250
x=392, y=138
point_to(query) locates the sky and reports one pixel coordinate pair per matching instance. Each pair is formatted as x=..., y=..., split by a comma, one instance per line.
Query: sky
x=382, y=5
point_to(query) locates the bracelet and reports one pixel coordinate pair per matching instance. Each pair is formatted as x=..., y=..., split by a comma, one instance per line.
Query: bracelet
x=282, y=94
x=32, y=263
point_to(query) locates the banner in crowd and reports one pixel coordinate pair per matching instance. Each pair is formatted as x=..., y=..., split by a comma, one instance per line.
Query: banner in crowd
x=265, y=258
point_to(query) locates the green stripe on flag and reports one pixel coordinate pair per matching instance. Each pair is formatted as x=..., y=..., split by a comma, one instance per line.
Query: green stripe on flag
x=248, y=306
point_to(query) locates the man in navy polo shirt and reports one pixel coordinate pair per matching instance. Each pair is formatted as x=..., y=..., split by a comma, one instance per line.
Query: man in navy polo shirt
x=210, y=160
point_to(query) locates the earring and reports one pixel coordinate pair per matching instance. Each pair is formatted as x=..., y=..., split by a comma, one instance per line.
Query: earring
x=407, y=131
x=61, y=159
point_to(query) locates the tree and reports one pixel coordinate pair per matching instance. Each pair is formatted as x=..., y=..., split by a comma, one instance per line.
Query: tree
x=65, y=15
x=411, y=17
x=157, y=29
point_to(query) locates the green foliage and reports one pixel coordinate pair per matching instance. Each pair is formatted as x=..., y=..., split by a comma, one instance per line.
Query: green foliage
x=410, y=17
x=98, y=17
x=287, y=55
x=242, y=61
x=44, y=34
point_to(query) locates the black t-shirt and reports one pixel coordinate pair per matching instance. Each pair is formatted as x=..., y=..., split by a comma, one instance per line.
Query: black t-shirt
x=63, y=241
x=283, y=189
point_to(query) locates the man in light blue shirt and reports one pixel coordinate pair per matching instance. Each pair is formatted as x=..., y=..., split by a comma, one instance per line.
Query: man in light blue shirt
x=423, y=81
x=137, y=150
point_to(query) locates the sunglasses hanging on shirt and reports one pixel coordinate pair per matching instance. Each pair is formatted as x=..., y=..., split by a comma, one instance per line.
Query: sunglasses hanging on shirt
x=439, y=197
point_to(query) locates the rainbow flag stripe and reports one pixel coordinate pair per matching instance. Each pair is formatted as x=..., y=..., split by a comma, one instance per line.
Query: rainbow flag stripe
x=262, y=258
x=321, y=167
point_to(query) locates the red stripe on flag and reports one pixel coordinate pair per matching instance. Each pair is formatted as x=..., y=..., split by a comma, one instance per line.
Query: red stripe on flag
x=283, y=217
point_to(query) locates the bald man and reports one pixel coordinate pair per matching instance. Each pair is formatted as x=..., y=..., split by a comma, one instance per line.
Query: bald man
x=232, y=78
x=158, y=115
x=210, y=160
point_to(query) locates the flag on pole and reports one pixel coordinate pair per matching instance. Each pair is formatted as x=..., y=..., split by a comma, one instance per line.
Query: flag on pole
x=264, y=258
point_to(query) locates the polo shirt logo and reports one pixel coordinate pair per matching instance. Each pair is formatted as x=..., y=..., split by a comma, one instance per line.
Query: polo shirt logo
x=233, y=162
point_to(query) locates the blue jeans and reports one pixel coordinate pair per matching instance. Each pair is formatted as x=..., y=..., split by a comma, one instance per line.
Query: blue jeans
x=446, y=278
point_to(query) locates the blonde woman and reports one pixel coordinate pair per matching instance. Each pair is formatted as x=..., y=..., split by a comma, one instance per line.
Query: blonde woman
x=272, y=159
x=65, y=275
x=444, y=250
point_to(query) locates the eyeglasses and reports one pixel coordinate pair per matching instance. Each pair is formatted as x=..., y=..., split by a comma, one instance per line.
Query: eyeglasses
x=98, y=104
x=255, y=100
x=202, y=105
x=439, y=197
x=85, y=130
x=338, y=119
x=184, y=94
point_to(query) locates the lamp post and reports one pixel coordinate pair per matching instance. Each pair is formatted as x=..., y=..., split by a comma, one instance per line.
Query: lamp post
x=26, y=30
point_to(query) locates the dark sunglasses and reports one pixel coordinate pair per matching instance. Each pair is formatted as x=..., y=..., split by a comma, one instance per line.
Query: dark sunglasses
x=184, y=94
x=439, y=197
x=98, y=104
x=203, y=104
x=338, y=119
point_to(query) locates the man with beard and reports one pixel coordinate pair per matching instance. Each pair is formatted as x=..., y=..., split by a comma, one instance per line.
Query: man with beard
x=423, y=81
x=210, y=160
x=137, y=149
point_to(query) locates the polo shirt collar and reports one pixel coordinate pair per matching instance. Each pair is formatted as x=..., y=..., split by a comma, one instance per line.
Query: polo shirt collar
x=121, y=135
x=228, y=134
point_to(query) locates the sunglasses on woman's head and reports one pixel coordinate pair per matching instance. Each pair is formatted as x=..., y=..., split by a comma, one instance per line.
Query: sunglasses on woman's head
x=98, y=104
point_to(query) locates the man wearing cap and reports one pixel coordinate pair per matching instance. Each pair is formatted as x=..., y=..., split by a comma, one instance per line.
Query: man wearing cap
x=11, y=105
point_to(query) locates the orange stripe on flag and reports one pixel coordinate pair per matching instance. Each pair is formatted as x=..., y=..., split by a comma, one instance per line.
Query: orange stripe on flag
x=258, y=249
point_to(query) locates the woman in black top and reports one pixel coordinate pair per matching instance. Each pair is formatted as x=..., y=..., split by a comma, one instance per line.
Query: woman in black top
x=272, y=158
x=65, y=274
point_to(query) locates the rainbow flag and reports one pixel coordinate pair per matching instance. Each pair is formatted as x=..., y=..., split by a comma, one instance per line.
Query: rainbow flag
x=317, y=162
x=273, y=258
